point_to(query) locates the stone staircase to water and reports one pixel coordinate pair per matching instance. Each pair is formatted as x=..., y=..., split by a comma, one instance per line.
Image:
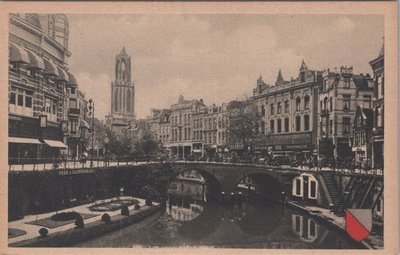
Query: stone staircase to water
x=333, y=190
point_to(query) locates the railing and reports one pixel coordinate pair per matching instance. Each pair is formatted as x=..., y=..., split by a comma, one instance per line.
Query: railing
x=125, y=161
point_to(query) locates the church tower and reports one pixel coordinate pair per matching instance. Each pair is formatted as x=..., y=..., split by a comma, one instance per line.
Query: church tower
x=122, y=91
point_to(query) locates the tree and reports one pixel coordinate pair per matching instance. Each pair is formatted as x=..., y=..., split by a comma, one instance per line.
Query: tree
x=146, y=144
x=244, y=120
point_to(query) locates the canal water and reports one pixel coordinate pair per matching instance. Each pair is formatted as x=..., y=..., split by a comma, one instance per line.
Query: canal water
x=189, y=220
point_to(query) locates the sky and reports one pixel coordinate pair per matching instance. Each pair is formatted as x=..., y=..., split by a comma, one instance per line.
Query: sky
x=216, y=57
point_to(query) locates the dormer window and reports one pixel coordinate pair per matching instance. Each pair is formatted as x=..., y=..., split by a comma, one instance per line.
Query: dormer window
x=302, y=76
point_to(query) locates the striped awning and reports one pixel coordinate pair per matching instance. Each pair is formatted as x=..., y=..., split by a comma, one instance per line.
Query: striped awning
x=35, y=61
x=23, y=140
x=18, y=54
x=63, y=75
x=84, y=124
x=72, y=80
x=54, y=143
x=50, y=68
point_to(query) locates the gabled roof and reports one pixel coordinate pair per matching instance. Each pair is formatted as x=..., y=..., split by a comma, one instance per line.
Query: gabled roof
x=303, y=66
x=361, y=82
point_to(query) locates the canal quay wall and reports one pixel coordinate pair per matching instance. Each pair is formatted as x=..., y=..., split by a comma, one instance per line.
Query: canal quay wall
x=35, y=192
x=89, y=231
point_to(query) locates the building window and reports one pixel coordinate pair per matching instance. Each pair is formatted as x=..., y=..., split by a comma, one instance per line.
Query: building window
x=346, y=102
x=272, y=126
x=74, y=126
x=298, y=103
x=286, y=106
x=307, y=102
x=346, y=125
x=21, y=101
x=262, y=110
x=72, y=103
x=367, y=101
x=346, y=83
x=262, y=127
x=14, y=67
x=379, y=86
x=298, y=123
x=330, y=126
x=313, y=189
x=279, y=108
x=272, y=109
x=379, y=122
x=279, y=125
x=286, y=125
x=306, y=122
x=51, y=109
x=330, y=104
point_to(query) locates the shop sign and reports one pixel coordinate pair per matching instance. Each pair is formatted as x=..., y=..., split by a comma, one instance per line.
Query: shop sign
x=77, y=171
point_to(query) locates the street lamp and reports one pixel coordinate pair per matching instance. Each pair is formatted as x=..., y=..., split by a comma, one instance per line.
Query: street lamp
x=91, y=112
x=106, y=141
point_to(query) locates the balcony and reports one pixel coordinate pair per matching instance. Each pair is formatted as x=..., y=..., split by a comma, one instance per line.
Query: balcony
x=74, y=112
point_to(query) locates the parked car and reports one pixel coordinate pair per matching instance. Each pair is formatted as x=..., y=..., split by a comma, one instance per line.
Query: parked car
x=263, y=161
x=279, y=160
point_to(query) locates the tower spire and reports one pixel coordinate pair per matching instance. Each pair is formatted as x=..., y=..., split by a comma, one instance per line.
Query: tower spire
x=303, y=65
x=280, y=77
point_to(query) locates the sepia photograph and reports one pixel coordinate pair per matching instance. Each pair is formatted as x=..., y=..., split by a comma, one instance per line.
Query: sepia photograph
x=197, y=130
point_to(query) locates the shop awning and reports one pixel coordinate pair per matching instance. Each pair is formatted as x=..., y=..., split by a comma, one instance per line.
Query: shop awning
x=35, y=61
x=63, y=75
x=72, y=80
x=18, y=54
x=84, y=124
x=23, y=140
x=50, y=68
x=53, y=143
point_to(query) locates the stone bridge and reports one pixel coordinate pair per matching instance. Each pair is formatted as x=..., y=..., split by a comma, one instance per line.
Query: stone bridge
x=226, y=177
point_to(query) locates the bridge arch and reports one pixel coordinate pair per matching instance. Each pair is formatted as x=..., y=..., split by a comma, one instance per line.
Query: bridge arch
x=264, y=184
x=213, y=184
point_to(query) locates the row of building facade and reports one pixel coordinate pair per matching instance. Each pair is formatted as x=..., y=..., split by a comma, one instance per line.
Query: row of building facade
x=332, y=114
x=46, y=110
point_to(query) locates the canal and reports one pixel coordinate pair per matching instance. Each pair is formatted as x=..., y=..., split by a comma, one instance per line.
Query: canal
x=189, y=219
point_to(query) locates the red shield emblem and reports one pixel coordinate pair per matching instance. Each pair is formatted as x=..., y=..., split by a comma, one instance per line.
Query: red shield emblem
x=358, y=223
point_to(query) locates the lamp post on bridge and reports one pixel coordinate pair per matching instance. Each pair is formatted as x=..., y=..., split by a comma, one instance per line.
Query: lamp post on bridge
x=91, y=113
